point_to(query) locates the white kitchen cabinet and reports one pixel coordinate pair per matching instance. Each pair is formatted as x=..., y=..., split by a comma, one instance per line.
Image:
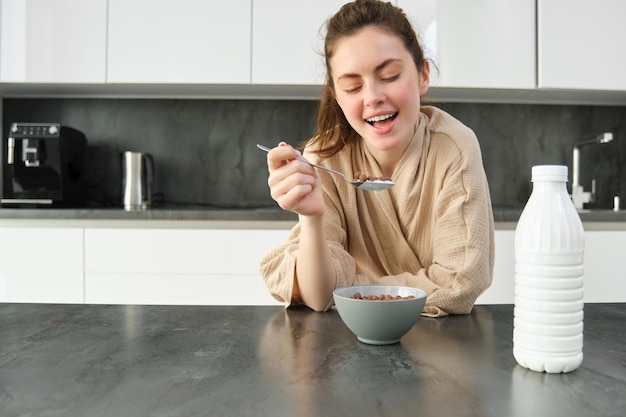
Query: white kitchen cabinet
x=581, y=44
x=220, y=266
x=502, y=287
x=287, y=42
x=179, y=41
x=61, y=41
x=477, y=44
x=177, y=266
x=206, y=266
x=603, y=268
x=603, y=273
x=41, y=265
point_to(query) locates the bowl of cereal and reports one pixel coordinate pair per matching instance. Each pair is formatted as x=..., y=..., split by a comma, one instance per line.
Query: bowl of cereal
x=379, y=314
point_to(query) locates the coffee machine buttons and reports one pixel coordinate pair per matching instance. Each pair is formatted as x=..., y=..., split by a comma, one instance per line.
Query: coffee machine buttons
x=19, y=130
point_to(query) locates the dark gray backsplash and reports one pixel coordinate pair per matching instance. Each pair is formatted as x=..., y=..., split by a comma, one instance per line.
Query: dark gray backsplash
x=204, y=150
x=513, y=138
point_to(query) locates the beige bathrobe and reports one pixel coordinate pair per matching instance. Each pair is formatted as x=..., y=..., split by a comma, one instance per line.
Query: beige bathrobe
x=433, y=230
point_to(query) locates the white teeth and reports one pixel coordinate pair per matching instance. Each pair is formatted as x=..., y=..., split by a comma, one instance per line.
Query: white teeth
x=380, y=118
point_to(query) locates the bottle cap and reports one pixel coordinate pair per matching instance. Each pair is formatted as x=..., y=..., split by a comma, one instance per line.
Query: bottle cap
x=549, y=173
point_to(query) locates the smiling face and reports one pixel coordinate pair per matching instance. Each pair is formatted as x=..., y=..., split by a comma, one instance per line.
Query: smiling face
x=378, y=87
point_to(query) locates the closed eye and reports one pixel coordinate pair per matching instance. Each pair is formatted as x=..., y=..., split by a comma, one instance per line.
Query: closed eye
x=392, y=78
x=352, y=90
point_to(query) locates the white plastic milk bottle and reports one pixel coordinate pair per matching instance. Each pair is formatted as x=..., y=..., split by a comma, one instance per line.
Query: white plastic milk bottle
x=549, y=245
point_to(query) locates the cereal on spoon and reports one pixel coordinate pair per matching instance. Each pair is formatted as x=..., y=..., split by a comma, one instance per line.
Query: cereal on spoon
x=362, y=177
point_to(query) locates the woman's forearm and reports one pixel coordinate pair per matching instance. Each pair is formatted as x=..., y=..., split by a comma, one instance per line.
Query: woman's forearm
x=315, y=272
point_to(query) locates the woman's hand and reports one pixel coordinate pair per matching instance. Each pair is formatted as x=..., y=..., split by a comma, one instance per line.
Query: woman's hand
x=295, y=186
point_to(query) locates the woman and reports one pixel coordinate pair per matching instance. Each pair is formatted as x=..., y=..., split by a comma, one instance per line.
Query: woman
x=433, y=230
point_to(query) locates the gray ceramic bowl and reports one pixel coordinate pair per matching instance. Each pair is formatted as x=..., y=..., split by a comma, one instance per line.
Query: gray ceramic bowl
x=379, y=322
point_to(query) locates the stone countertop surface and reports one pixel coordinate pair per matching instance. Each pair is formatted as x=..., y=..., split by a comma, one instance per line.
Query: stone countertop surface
x=129, y=360
x=162, y=213
x=501, y=214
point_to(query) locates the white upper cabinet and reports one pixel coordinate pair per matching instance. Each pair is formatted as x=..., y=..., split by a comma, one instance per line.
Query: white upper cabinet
x=61, y=41
x=520, y=50
x=477, y=44
x=288, y=41
x=179, y=41
x=581, y=44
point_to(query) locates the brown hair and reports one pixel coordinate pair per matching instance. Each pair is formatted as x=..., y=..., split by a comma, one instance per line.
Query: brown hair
x=333, y=130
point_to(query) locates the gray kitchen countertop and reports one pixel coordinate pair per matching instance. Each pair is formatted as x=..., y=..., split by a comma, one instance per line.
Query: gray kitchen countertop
x=500, y=214
x=184, y=361
x=193, y=213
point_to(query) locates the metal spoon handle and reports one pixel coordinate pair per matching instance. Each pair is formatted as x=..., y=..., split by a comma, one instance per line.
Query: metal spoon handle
x=266, y=149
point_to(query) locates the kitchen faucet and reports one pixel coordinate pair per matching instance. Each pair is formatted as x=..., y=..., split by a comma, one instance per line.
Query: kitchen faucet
x=579, y=195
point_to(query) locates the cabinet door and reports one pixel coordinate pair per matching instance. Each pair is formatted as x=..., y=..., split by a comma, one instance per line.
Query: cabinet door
x=41, y=265
x=581, y=44
x=502, y=289
x=603, y=279
x=179, y=41
x=177, y=266
x=43, y=41
x=477, y=44
x=603, y=271
x=287, y=41
x=176, y=289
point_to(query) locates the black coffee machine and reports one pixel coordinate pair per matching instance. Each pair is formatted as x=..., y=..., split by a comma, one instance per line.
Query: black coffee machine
x=44, y=166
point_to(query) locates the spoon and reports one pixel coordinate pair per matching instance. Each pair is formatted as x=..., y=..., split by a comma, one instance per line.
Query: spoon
x=369, y=185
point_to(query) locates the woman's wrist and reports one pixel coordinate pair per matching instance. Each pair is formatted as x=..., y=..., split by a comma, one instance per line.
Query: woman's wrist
x=315, y=221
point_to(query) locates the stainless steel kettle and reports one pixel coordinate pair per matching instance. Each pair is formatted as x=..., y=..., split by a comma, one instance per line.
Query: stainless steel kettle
x=137, y=179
